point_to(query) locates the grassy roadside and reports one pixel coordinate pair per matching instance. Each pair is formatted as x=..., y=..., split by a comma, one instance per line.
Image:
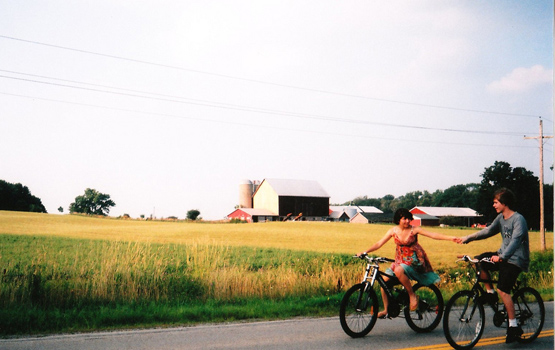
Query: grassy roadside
x=68, y=274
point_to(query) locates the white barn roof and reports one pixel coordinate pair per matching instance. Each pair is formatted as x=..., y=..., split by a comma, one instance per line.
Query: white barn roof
x=448, y=211
x=298, y=188
x=359, y=209
x=425, y=217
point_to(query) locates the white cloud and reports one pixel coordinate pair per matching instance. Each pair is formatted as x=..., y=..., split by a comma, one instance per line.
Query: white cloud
x=522, y=79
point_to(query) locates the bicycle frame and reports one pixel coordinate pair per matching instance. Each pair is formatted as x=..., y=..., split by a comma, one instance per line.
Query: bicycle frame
x=464, y=320
x=479, y=291
x=372, y=274
x=360, y=304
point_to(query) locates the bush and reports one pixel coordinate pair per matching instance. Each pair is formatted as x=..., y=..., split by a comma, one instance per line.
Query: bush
x=541, y=261
x=452, y=221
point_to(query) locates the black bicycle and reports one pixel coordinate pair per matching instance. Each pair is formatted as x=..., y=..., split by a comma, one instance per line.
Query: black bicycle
x=359, y=307
x=464, y=320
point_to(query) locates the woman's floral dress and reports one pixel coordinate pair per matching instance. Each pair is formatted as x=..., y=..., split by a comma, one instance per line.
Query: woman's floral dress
x=413, y=259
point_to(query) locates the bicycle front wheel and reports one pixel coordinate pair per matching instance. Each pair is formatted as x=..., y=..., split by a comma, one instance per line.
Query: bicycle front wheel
x=430, y=309
x=530, y=313
x=464, y=320
x=359, y=310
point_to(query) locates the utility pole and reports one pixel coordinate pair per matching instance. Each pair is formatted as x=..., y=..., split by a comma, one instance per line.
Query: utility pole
x=542, y=210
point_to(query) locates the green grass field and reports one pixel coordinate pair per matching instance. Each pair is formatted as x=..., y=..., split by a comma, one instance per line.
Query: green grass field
x=65, y=273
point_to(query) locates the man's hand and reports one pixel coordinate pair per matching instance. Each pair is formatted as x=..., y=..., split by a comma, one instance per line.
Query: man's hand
x=495, y=258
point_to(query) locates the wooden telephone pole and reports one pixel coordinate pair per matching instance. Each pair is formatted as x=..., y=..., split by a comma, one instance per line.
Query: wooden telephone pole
x=542, y=210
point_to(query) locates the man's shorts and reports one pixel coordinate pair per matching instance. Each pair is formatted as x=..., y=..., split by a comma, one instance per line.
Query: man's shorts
x=508, y=273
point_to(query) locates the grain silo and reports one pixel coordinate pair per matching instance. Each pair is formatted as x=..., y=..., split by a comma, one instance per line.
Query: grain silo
x=246, y=190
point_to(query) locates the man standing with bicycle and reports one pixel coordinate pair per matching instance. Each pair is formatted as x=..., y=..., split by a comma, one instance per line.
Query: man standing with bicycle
x=512, y=257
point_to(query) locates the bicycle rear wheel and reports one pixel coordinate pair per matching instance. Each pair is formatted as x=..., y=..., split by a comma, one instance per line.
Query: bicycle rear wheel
x=359, y=310
x=530, y=313
x=430, y=309
x=464, y=320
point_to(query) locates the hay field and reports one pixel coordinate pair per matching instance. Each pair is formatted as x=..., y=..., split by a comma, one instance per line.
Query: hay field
x=321, y=237
x=76, y=273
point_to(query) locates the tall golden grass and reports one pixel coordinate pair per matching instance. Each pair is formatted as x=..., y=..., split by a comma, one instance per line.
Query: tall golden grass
x=322, y=237
x=79, y=259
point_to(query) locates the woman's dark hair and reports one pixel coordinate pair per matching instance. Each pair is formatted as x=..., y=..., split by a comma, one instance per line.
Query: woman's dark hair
x=506, y=197
x=401, y=213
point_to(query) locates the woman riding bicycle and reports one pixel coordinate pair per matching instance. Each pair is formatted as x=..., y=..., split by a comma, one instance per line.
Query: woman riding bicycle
x=411, y=261
x=513, y=256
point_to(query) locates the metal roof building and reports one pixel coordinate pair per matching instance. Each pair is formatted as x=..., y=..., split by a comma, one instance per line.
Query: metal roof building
x=252, y=215
x=467, y=214
x=445, y=211
x=353, y=213
x=301, y=199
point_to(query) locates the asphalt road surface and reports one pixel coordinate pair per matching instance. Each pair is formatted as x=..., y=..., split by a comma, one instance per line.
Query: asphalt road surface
x=302, y=333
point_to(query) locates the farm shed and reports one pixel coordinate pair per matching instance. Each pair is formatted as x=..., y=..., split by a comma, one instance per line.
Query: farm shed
x=467, y=215
x=360, y=214
x=344, y=215
x=371, y=218
x=301, y=199
x=252, y=215
x=424, y=220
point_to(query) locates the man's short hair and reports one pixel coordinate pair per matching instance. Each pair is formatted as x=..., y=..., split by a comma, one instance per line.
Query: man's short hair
x=506, y=197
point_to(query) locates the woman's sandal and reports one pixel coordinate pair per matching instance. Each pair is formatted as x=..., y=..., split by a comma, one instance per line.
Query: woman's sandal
x=415, y=307
x=382, y=314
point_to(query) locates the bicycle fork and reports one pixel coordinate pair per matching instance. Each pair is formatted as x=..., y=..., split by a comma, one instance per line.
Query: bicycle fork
x=362, y=303
x=466, y=315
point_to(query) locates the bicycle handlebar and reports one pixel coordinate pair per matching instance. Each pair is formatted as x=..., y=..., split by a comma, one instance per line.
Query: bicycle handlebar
x=472, y=260
x=373, y=259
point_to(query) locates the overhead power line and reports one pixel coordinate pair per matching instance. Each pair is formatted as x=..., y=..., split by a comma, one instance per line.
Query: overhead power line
x=212, y=104
x=261, y=126
x=261, y=81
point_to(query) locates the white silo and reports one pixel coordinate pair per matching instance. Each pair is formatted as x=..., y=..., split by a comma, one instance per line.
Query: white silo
x=246, y=190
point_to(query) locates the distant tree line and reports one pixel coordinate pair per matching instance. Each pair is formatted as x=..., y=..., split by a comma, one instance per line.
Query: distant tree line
x=17, y=197
x=478, y=196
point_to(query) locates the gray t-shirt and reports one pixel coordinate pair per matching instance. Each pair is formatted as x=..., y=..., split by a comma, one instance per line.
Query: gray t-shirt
x=515, y=247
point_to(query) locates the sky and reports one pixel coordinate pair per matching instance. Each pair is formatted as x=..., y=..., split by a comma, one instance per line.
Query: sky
x=168, y=106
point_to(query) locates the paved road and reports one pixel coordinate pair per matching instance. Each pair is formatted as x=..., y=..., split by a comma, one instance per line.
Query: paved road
x=317, y=333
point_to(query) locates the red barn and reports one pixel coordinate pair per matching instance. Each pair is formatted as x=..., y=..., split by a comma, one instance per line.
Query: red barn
x=252, y=215
x=466, y=215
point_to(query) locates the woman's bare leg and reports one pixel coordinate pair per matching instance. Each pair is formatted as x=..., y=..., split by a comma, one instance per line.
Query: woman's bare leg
x=385, y=301
x=405, y=281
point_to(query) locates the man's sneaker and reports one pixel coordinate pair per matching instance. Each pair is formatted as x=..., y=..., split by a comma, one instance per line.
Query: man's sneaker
x=513, y=333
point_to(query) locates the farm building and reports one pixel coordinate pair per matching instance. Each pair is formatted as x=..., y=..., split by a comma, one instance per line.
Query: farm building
x=466, y=215
x=252, y=215
x=283, y=199
x=424, y=220
x=354, y=213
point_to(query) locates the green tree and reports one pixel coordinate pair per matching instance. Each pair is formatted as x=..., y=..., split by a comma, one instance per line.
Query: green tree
x=17, y=197
x=521, y=181
x=548, y=206
x=388, y=203
x=365, y=201
x=92, y=203
x=465, y=196
x=193, y=214
x=425, y=199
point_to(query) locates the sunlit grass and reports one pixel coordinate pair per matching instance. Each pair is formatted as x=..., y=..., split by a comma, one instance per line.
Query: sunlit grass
x=322, y=237
x=55, y=265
